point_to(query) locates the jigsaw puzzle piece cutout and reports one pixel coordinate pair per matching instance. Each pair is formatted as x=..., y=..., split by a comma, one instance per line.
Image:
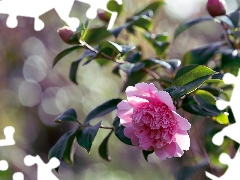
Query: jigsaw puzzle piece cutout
x=233, y=167
x=8, y=132
x=3, y=165
x=44, y=170
x=95, y=5
x=36, y=8
x=18, y=176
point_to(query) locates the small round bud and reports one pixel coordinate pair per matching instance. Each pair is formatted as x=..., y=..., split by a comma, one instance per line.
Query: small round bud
x=68, y=35
x=216, y=7
x=103, y=15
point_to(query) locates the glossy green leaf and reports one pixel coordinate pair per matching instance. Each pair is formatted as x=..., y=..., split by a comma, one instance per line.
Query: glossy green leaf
x=213, y=81
x=146, y=154
x=86, y=136
x=187, y=24
x=156, y=37
x=131, y=68
x=119, y=132
x=160, y=47
x=143, y=22
x=114, y=48
x=201, y=55
x=68, y=116
x=103, y=148
x=108, y=44
x=176, y=92
x=116, y=31
x=73, y=71
x=103, y=109
x=190, y=73
x=96, y=35
x=189, y=104
x=206, y=96
x=153, y=7
x=64, y=148
x=64, y=53
x=222, y=119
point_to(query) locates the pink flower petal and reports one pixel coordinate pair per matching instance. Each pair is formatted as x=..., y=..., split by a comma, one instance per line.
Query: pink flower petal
x=135, y=140
x=128, y=132
x=161, y=153
x=164, y=97
x=134, y=101
x=182, y=139
x=179, y=152
x=124, y=112
x=142, y=90
x=183, y=123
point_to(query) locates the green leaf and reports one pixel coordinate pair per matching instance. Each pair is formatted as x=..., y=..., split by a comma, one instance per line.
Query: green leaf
x=68, y=116
x=153, y=7
x=160, y=47
x=146, y=154
x=175, y=63
x=222, y=118
x=103, y=109
x=114, y=6
x=64, y=53
x=74, y=66
x=96, y=35
x=156, y=37
x=131, y=68
x=201, y=55
x=64, y=148
x=143, y=22
x=134, y=79
x=182, y=27
x=119, y=132
x=213, y=81
x=103, y=148
x=189, y=104
x=176, y=92
x=192, y=86
x=206, y=96
x=126, y=49
x=116, y=31
x=86, y=136
x=234, y=17
x=73, y=71
x=190, y=73
x=115, y=48
x=230, y=59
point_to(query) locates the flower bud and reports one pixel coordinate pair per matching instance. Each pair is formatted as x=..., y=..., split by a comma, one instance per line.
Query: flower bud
x=216, y=7
x=67, y=35
x=103, y=15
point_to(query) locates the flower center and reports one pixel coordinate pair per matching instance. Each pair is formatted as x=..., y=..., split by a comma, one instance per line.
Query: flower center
x=154, y=124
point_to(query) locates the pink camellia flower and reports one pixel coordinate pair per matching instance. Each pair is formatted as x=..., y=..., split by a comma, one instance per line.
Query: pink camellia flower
x=151, y=121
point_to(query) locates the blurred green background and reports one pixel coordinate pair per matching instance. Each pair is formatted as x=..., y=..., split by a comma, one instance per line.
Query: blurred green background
x=32, y=94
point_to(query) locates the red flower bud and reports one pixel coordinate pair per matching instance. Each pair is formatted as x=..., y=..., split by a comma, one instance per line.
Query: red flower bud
x=103, y=15
x=67, y=35
x=216, y=7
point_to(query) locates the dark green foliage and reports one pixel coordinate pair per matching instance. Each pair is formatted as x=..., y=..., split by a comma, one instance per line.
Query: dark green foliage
x=102, y=109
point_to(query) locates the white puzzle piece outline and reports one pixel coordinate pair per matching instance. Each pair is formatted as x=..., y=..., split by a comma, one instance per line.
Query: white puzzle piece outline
x=36, y=8
x=231, y=131
x=44, y=171
x=8, y=132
